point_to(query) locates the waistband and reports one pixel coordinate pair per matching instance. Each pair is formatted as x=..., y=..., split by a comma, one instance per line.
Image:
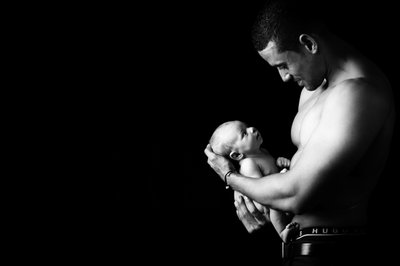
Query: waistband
x=329, y=231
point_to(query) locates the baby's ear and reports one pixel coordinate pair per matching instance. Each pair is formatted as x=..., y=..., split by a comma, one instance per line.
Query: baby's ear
x=236, y=155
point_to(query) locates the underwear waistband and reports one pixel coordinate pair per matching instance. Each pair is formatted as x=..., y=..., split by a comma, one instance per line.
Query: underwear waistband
x=329, y=231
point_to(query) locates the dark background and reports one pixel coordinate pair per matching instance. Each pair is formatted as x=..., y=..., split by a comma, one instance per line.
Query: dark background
x=151, y=82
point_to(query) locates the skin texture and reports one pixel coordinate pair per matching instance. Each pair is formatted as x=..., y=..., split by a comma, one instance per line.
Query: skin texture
x=342, y=132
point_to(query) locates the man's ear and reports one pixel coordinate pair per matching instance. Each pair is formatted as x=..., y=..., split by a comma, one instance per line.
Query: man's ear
x=236, y=155
x=309, y=43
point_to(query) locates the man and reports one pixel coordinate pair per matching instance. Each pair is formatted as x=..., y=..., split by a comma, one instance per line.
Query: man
x=342, y=132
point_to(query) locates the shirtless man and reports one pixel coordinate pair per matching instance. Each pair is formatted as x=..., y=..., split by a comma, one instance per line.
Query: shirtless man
x=342, y=131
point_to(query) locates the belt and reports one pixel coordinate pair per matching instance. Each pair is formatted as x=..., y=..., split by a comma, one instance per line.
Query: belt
x=304, y=249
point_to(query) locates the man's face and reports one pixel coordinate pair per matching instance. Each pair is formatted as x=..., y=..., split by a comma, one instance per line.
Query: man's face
x=297, y=66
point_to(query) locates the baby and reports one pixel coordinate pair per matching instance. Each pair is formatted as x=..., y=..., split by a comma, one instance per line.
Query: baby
x=242, y=144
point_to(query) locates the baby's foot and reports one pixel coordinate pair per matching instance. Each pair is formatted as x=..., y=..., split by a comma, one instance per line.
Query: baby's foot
x=290, y=230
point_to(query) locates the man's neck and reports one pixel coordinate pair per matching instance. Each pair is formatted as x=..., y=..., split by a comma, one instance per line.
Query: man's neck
x=338, y=60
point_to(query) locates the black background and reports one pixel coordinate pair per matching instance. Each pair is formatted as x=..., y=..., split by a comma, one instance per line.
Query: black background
x=150, y=83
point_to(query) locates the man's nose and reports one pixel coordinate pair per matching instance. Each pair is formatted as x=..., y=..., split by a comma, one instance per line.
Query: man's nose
x=253, y=130
x=284, y=75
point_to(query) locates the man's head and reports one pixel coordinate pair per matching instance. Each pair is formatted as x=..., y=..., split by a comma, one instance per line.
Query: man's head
x=283, y=21
x=288, y=36
x=234, y=139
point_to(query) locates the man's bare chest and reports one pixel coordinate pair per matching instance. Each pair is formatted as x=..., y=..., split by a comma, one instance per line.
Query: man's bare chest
x=306, y=120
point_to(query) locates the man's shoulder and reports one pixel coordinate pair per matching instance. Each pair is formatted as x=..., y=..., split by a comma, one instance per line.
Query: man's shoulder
x=360, y=90
x=359, y=94
x=359, y=85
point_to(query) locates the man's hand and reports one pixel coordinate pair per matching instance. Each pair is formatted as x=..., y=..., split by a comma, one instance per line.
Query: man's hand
x=248, y=214
x=218, y=163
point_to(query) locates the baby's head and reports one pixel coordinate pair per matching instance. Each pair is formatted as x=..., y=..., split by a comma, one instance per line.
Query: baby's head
x=234, y=139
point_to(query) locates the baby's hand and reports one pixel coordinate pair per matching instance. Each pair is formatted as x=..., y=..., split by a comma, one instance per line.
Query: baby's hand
x=283, y=162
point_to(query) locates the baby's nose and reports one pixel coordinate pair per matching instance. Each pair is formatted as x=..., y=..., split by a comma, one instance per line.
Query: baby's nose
x=253, y=130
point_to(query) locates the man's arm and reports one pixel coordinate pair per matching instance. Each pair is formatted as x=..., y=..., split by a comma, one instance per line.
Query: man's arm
x=352, y=116
x=250, y=168
x=279, y=219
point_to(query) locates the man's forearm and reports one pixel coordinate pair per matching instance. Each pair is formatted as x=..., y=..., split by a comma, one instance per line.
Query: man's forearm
x=273, y=190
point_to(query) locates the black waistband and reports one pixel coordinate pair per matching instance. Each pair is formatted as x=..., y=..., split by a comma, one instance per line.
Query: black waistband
x=328, y=231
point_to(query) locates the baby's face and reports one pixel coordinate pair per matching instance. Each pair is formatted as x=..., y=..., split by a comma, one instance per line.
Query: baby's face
x=244, y=139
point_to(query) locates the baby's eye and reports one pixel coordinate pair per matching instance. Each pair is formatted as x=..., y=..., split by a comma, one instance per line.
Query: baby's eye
x=281, y=66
